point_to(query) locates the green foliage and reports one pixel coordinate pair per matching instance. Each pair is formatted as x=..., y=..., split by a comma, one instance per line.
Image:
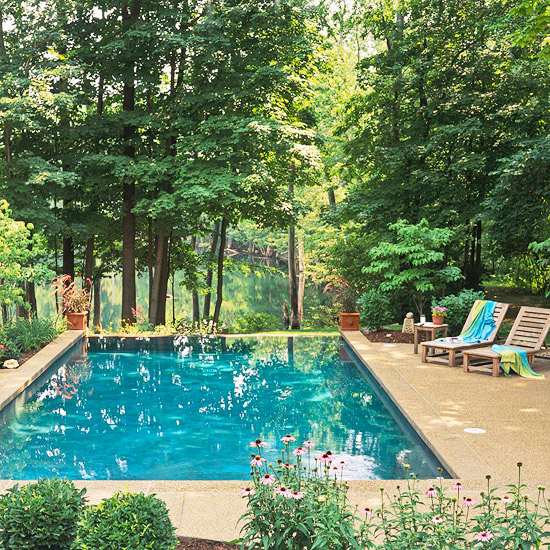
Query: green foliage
x=376, y=309
x=412, y=262
x=458, y=306
x=125, y=520
x=307, y=507
x=40, y=516
x=254, y=322
x=22, y=254
x=24, y=335
x=301, y=508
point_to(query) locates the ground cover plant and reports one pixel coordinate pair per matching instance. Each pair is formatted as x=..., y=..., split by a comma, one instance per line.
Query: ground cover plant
x=22, y=336
x=301, y=502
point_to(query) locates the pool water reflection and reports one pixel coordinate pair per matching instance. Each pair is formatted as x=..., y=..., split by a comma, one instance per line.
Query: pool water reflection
x=188, y=409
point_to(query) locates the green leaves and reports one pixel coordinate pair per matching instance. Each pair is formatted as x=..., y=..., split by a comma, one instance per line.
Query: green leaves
x=412, y=262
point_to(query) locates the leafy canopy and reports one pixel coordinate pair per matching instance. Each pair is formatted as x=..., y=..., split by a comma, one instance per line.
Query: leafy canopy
x=412, y=261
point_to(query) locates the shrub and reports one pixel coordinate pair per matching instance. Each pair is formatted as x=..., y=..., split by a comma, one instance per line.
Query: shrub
x=42, y=515
x=126, y=520
x=458, y=306
x=376, y=309
x=23, y=335
x=255, y=322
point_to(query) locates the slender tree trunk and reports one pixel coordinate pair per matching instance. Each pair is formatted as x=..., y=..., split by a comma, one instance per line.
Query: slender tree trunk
x=293, y=279
x=173, y=297
x=210, y=271
x=161, y=307
x=477, y=263
x=155, y=304
x=292, y=274
x=130, y=14
x=301, y=279
x=331, y=197
x=31, y=298
x=194, y=293
x=97, y=302
x=151, y=245
x=6, y=132
x=88, y=272
x=219, y=282
x=68, y=256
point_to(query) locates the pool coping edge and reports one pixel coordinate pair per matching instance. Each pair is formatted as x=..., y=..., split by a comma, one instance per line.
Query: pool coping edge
x=13, y=382
x=453, y=452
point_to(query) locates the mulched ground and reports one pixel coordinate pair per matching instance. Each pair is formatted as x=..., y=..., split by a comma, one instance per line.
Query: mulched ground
x=203, y=544
x=389, y=336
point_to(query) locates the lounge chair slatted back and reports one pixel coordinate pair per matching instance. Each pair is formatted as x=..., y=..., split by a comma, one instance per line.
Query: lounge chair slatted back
x=530, y=328
x=498, y=316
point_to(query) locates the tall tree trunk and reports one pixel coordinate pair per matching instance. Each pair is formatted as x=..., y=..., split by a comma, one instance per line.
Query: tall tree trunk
x=68, y=256
x=155, y=304
x=194, y=293
x=6, y=131
x=161, y=307
x=97, y=302
x=292, y=274
x=151, y=245
x=331, y=197
x=301, y=279
x=88, y=272
x=30, y=289
x=130, y=14
x=219, y=282
x=210, y=271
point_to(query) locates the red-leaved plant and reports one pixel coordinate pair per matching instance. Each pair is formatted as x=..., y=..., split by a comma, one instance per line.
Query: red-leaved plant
x=73, y=298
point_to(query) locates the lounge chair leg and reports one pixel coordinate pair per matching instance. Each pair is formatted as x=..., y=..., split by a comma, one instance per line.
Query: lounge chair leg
x=496, y=366
x=466, y=362
x=452, y=358
x=424, y=354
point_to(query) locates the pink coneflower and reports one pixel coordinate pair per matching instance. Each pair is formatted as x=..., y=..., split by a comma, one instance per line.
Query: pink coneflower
x=258, y=444
x=368, y=513
x=283, y=492
x=430, y=492
x=299, y=451
x=437, y=520
x=247, y=492
x=287, y=466
x=506, y=499
x=286, y=439
x=308, y=444
x=325, y=458
x=297, y=495
x=267, y=479
x=257, y=461
x=457, y=486
x=484, y=536
x=468, y=502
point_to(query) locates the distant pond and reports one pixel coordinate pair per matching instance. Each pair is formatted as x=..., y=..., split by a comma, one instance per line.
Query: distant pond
x=250, y=291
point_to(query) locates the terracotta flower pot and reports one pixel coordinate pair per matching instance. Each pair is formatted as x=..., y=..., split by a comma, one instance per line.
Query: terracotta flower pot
x=77, y=321
x=437, y=320
x=349, y=321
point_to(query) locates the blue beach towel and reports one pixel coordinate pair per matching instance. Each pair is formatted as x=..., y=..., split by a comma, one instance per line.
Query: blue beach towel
x=480, y=328
x=515, y=359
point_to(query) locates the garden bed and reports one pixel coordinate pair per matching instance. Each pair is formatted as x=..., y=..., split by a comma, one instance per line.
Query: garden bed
x=202, y=544
x=389, y=336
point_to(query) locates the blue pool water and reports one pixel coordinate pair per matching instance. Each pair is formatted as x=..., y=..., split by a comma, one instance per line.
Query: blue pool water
x=139, y=409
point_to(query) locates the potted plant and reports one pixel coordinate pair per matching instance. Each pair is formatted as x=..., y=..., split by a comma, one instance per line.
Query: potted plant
x=75, y=301
x=438, y=314
x=346, y=298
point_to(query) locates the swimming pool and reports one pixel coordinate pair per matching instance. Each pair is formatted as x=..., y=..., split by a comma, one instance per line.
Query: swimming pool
x=187, y=408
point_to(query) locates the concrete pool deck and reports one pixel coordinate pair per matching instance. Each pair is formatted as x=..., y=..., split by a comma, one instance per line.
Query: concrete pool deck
x=440, y=402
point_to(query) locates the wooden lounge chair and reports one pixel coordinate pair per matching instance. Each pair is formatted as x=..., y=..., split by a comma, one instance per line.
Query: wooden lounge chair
x=446, y=351
x=528, y=333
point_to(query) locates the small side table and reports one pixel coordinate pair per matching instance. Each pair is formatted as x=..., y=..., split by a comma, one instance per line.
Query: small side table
x=430, y=329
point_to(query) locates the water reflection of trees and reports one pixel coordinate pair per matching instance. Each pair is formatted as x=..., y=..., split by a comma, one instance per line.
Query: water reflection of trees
x=171, y=414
